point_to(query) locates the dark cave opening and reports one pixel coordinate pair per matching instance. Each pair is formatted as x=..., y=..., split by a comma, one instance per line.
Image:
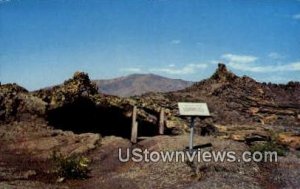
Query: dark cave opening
x=84, y=116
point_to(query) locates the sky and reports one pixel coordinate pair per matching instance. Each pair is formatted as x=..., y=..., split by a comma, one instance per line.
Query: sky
x=43, y=42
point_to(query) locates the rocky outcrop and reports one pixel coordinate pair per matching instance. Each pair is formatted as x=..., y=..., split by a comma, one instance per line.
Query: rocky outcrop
x=222, y=74
x=17, y=103
x=232, y=99
x=79, y=86
x=76, y=105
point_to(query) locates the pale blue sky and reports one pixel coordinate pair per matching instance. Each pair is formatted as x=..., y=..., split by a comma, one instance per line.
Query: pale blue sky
x=43, y=42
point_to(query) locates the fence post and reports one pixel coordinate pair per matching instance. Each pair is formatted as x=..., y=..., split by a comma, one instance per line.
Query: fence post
x=134, y=126
x=161, y=122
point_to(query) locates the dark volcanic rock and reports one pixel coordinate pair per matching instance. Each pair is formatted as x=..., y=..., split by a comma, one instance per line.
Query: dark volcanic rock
x=232, y=100
x=79, y=86
x=222, y=74
x=76, y=105
x=17, y=103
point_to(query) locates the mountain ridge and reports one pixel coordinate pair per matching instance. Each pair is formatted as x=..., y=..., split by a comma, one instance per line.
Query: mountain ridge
x=137, y=84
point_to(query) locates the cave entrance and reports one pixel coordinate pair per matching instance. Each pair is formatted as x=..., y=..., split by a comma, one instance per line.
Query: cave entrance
x=83, y=116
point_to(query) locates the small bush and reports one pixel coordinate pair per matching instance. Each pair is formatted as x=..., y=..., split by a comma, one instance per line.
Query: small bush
x=72, y=167
x=298, y=154
x=270, y=146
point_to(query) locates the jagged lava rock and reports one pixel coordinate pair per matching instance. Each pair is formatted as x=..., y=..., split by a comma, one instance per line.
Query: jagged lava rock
x=16, y=102
x=72, y=89
x=234, y=99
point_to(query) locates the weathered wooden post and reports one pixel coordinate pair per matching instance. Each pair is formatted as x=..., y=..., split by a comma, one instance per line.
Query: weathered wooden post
x=161, y=121
x=134, y=126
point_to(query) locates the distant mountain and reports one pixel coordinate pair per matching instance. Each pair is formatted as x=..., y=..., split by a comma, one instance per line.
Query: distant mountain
x=137, y=84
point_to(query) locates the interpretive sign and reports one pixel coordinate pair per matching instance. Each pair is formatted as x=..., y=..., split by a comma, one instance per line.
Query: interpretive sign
x=193, y=109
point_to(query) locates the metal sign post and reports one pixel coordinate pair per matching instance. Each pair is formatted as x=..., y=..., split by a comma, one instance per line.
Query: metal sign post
x=193, y=110
x=191, y=134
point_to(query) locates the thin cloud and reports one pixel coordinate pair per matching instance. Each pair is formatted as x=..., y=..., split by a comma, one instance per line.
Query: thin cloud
x=131, y=70
x=239, y=58
x=275, y=56
x=271, y=68
x=4, y=1
x=273, y=79
x=188, y=69
x=295, y=66
x=175, y=42
x=296, y=16
x=248, y=63
x=169, y=69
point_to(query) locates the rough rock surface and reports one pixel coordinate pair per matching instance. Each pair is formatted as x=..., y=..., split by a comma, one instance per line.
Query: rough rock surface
x=232, y=99
x=242, y=98
x=17, y=103
x=79, y=86
x=290, y=139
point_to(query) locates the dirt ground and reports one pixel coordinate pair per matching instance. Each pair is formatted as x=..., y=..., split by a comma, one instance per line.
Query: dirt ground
x=26, y=164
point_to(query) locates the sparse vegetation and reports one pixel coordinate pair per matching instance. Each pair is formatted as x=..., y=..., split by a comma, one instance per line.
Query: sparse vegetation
x=269, y=146
x=197, y=172
x=71, y=167
x=298, y=154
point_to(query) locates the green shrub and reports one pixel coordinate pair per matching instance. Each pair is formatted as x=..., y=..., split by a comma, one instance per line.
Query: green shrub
x=71, y=167
x=298, y=154
x=270, y=146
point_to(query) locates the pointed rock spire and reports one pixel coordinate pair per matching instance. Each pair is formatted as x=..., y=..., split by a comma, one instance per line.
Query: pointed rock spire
x=222, y=74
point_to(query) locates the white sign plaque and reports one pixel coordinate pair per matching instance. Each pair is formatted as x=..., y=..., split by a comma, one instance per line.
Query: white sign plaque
x=193, y=109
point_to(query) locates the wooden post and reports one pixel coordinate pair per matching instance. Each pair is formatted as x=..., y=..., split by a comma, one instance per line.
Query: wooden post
x=161, y=122
x=134, y=126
